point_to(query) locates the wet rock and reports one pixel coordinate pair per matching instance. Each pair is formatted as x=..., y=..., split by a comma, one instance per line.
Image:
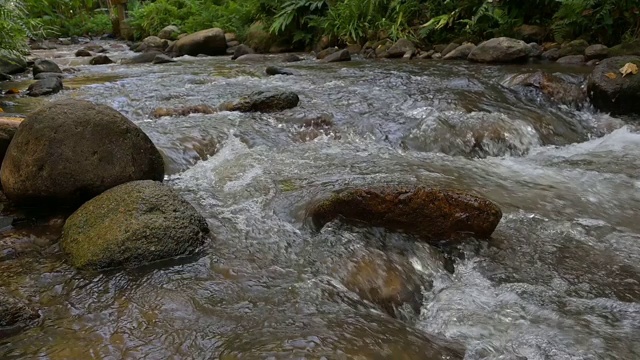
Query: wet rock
x=535, y=50
x=449, y=48
x=306, y=129
x=43, y=65
x=459, y=53
x=229, y=37
x=146, y=57
x=132, y=224
x=628, y=48
x=259, y=38
x=435, y=215
x=242, y=49
x=427, y=54
x=252, y=58
x=620, y=95
x=551, y=55
x=291, y=58
x=387, y=280
x=264, y=101
x=5, y=77
x=341, y=55
x=572, y=60
x=94, y=48
x=208, y=42
x=101, y=60
x=576, y=47
x=597, y=52
x=500, y=50
x=593, y=62
x=72, y=150
x=553, y=87
x=43, y=45
x=46, y=75
x=47, y=86
x=170, y=32
x=531, y=32
x=152, y=43
x=400, y=48
x=273, y=70
x=326, y=52
x=83, y=53
x=13, y=65
x=14, y=314
x=8, y=128
x=184, y=111
x=162, y=59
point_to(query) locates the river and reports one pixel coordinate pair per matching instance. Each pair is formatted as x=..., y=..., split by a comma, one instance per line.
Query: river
x=560, y=278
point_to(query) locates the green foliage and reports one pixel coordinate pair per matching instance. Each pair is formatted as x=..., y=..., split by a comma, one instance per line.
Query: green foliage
x=15, y=27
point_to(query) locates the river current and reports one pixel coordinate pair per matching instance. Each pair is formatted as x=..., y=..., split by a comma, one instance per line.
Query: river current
x=560, y=278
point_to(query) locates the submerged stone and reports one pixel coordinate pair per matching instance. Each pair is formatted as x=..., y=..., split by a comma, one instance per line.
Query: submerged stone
x=264, y=101
x=435, y=215
x=130, y=225
x=14, y=314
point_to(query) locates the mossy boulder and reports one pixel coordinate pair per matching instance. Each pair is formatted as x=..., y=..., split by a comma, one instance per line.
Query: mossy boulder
x=69, y=151
x=435, y=215
x=629, y=48
x=264, y=101
x=609, y=91
x=130, y=225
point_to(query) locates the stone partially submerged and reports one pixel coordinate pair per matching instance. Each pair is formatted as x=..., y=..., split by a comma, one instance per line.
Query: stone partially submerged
x=130, y=225
x=435, y=215
x=264, y=101
x=611, y=92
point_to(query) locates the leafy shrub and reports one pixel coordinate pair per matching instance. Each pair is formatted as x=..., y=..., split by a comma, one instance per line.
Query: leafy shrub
x=15, y=27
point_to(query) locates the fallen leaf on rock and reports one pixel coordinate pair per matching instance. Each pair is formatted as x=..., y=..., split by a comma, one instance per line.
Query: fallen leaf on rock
x=629, y=68
x=611, y=75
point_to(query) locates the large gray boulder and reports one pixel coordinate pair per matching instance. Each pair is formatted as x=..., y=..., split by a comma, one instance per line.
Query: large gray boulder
x=72, y=150
x=132, y=224
x=46, y=86
x=44, y=65
x=500, y=50
x=609, y=91
x=207, y=42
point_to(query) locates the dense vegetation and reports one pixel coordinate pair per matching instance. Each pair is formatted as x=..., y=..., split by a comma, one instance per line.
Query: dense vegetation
x=303, y=22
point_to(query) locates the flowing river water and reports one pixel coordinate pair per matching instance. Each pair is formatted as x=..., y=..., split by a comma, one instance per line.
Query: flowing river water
x=560, y=279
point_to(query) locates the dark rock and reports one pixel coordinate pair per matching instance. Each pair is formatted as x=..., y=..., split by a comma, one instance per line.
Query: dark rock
x=208, y=42
x=83, y=53
x=46, y=75
x=400, y=48
x=273, y=70
x=72, y=150
x=143, y=58
x=5, y=77
x=14, y=314
x=551, y=55
x=629, y=48
x=620, y=95
x=500, y=50
x=242, y=49
x=435, y=215
x=170, y=32
x=101, y=60
x=449, y=48
x=326, y=52
x=252, y=58
x=459, y=53
x=532, y=32
x=132, y=224
x=553, y=87
x=535, y=50
x=264, y=101
x=43, y=65
x=8, y=128
x=47, y=86
x=576, y=47
x=184, y=111
x=572, y=60
x=13, y=65
x=342, y=55
x=597, y=51
x=162, y=59
x=593, y=62
x=291, y=58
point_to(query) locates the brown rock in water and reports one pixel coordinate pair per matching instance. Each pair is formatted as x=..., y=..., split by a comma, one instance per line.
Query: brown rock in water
x=46, y=86
x=611, y=92
x=459, y=53
x=72, y=150
x=263, y=101
x=557, y=89
x=240, y=50
x=184, y=111
x=326, y=52
x=208, y=42
x=83, y=53
x=342, y=55
x=101, y=60
x=436, y=215
x=8, y=128
x=596, y=52
x=387, y=280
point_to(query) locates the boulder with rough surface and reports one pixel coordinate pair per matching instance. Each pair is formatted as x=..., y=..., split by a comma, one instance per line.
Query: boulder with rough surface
x=400, y=48
x=208, y=42
x=274, y=70
x=435, y=215
x=264, y=101
x=338, y=56
x=240, y=50
x=461, y=52
x=101, y=60
x=326, y=52
x=449, y=48
x=611, y=92
x=72, y=150
x=43, y=65
x=500, y=50
x=162, y=59
x=170, y=32
x=83, y=53
x=551, y=54
x=46, y=86
x=8, y=128
x=597, y=51
x=575, y=47
x=130, y=225
x=535, y=50
x=291, y=58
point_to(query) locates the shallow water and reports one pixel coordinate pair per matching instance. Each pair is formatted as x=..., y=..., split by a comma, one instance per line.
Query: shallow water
x=560, y=279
